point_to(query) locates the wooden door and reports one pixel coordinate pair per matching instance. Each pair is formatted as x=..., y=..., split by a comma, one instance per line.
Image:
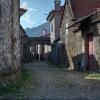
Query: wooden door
x=90, y=51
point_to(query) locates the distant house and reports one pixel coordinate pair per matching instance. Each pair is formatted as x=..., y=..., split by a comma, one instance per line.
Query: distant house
x=25, y=47
x=80, y=31
x=23, y=35
x=46, y=49
x=41, y=47
x=54, y=18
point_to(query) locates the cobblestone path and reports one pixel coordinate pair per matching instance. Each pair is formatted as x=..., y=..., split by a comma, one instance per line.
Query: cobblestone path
x=58, y=84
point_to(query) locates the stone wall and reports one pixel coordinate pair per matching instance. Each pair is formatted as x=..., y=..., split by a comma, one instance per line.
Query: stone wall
x=72, y=41
x=9, y=39
x=16, y=35
x=96, y=42
x=26, y=55
x=97, y=46
x=77, y=44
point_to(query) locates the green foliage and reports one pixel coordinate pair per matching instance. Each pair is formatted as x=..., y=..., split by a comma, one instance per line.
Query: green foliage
x=93, y=76
x=16, y=87
x=49, y=62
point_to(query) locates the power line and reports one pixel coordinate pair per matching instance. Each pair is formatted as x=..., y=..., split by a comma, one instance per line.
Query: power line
x=40, y=21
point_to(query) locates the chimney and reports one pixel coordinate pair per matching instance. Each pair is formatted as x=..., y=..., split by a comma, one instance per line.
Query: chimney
x=45, y=32
x=57, y=4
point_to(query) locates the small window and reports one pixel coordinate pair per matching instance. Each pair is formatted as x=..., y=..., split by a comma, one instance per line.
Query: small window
x=66, y=28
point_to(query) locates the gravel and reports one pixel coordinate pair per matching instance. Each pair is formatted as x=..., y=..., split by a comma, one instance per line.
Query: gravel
x=53, y=83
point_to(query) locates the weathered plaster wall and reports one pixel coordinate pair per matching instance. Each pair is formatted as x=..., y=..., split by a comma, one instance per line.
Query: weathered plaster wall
x=55, y=34
x=57, y=25
x=52, y=30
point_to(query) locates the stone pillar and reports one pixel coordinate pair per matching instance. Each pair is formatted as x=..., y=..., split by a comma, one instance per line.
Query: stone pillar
x=39, y=51
x=9, y=40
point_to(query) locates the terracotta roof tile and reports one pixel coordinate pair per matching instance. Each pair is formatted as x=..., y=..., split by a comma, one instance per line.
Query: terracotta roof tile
x=55, y=11
x=83, y=8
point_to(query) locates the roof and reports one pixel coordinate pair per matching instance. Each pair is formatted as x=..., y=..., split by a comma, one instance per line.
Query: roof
x=39, y=40
x=86, y=17
x=51, y=14
x=24, y=32
x=22, y=11
x=83, y=8
x=46, y=35
x=62, y=15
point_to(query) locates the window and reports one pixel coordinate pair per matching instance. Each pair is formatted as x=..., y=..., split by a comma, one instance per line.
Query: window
x=66, y=28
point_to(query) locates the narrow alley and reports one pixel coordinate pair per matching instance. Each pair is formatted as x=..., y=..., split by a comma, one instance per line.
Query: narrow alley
x=49, y=49
x=52, y=83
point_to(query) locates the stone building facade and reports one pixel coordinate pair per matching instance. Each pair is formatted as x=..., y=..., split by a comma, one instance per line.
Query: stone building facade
x=90, y=28
x=26, y=55
x=46, y=48
x=10, y=58
x=40, y=47
x=79, y=34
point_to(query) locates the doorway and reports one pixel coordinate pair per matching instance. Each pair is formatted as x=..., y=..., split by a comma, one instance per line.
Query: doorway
x=90, y=52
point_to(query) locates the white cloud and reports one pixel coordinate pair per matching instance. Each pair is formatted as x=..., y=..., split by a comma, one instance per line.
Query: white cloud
x=25, y=5
x=31, y=9
x=26, y=19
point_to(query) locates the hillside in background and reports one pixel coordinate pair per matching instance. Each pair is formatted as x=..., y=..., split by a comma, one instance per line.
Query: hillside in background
x=38, y=31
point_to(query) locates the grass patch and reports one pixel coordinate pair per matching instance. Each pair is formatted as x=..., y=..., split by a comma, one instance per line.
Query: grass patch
x=49, y=62
x=18, y=85
x=93, y=76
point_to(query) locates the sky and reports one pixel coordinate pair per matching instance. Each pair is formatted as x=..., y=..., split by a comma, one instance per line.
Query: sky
x=37, y=13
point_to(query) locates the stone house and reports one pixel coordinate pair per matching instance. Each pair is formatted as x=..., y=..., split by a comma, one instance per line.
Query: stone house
x=26, y=55
x=80, y=33
x=45, y=48
x=54, y=18
x=41, y=47
x=10, y=57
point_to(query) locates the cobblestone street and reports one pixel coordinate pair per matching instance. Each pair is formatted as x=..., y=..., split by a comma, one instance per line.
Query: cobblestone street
x=57, y=84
